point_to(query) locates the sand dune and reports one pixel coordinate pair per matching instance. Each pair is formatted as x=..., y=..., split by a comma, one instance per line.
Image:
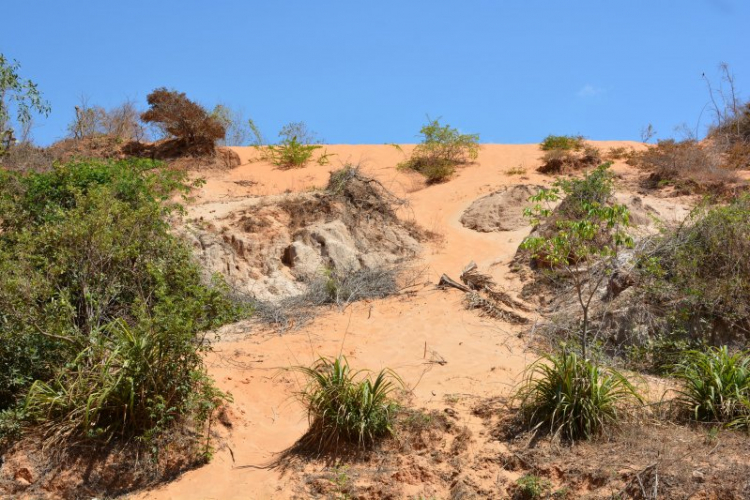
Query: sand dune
x=484, y=357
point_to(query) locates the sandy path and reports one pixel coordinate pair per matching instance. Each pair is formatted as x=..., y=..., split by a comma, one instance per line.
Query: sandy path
x=484, y=357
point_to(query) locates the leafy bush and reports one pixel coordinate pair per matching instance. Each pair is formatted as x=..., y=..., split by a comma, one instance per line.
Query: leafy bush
x=562, y=142
x=441, y=150
x=716, y=386
x=573, y=397
x=532, y=487
x=22, y=94
x=191, y=126
x=99, y=304
x=345, y=408
x=587, y=227
x=296, y=148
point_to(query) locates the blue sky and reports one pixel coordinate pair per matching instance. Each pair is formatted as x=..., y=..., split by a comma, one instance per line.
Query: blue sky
x=369, y=72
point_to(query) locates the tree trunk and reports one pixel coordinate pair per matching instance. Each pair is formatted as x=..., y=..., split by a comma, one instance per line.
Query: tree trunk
x=585, y=333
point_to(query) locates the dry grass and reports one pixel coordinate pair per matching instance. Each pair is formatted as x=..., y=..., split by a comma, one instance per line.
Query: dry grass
x=687, y=166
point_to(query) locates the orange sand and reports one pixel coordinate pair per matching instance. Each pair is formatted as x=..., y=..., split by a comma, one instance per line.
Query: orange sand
x=484, y=357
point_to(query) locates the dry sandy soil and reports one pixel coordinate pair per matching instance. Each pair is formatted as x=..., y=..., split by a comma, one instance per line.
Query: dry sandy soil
x=453, y=360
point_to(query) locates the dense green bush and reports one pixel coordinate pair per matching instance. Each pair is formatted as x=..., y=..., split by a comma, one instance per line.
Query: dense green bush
x=345, y=407
x=573, y=397
x=441, y=150
x=100, y=306
x=716, y=386
x=562, y=142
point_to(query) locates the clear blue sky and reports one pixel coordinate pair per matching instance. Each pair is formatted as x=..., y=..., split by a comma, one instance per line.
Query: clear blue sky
x=369, y=72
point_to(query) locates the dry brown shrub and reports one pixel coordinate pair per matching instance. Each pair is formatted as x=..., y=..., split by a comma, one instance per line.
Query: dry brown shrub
x=98, y=146
x=193, y=130
x=689, y=166
x=560, y=161
x=26, y=157
x=121, y=122
x=737, y=157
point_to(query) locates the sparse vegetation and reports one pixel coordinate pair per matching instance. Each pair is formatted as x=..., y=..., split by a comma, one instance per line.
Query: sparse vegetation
x=698, y=276
x=580, y=239
x=347, y=407
x=572, y=397
x=688, y=166
x=120, y=123
x=560, y=161
x=519, y=170
x=238, y=129
x=441, y=150
x=567, y=153
x=296, y=148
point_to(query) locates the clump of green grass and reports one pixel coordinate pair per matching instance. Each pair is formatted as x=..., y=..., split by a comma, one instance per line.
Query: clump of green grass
x=531, y=487
x=572, y=397
x=442, y=149
x=562, y=142
x=347, y=407
x=716, y=386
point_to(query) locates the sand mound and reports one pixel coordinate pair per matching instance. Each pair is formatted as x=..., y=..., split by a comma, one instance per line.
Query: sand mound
x=501, y=210
x=270, y=247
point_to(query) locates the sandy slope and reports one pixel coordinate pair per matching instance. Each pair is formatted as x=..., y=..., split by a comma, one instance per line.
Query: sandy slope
x=484, y=357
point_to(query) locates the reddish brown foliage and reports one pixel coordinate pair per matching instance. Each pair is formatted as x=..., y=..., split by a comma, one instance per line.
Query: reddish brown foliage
x=188, y=122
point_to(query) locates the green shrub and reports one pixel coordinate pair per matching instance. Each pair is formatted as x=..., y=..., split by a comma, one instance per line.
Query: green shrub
x=345, y=407
x=562, y=142
x=532, y=487
x=716, y=385
x=586, y=227
x=296, y=148
x=441, y=150
x=100, y=305
x=573, y=397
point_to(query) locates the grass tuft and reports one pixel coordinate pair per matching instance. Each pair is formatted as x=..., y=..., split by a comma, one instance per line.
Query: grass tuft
x=347, y=407
x=716, y=386
x=572, y=397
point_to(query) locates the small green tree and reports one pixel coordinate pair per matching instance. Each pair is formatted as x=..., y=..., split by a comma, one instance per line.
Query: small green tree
x=441, y=150
x=581, y=238
x=24, y=93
